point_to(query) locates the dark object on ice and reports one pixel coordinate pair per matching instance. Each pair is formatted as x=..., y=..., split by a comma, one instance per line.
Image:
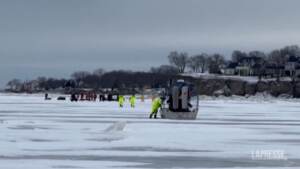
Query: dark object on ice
x=110, y=97
x=101, y=97
x=61, y=98
x=181, y=101
x=81, y=96
x=47, y=97
x=74, y=97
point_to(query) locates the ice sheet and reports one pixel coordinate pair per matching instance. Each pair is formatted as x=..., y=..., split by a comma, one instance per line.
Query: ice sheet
x=61, y=134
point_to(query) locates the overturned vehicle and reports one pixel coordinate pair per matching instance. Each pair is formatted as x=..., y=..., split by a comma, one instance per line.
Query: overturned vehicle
x=180, y=101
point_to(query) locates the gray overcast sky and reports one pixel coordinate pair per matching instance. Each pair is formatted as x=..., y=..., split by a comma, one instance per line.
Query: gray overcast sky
x=57, y=37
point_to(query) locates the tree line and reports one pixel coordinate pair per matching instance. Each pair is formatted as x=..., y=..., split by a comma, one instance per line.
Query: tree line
x=179, y=62
x=111, y=80
x=213, y=63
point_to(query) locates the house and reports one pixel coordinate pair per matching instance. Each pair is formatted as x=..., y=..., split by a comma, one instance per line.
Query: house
x=230, y=69
x=292, y=66
x=244, y=70
x=297, y=72
x=257, y=69
x=275, y=70
x=249, y=66
x=256, y=66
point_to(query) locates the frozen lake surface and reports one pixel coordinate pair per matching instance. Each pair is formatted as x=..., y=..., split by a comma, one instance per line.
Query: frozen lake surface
x=228, y=133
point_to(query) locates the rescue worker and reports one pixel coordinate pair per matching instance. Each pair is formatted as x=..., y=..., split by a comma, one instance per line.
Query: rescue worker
x=132, y=101
x=156, y=104
x=81, y=96
x=142, y=98
x=73, y=97
x=121, y=100
x=46, y=96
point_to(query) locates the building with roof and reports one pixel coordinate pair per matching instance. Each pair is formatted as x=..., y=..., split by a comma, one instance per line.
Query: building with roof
x=230, y=69
x=292, y=67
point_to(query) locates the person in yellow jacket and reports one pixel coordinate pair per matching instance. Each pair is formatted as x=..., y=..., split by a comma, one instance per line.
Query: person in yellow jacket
x=156, y=104
x=142, y=98
x=132, y=101
x=121, y=100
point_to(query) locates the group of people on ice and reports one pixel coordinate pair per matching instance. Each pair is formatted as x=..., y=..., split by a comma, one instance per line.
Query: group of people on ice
x=93, y=96
x=132, y=100
x=156, y=104
x=175, y=102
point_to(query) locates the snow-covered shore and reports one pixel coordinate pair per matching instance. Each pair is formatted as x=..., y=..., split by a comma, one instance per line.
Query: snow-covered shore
x=249, y=79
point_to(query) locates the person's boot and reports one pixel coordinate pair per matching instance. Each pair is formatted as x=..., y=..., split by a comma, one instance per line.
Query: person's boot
x=155, y=116
x=150, y=117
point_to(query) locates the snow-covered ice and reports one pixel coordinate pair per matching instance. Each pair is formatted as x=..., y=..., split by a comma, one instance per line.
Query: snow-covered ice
x=61, y=134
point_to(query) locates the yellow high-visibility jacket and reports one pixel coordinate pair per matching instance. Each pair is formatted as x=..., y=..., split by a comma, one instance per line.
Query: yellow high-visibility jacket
x=121, y=99
x=156, y=104
x=132, y=100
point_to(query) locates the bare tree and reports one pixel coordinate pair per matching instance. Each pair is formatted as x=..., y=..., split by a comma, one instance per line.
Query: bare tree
x=197, y=63
x=215, y=63
x=262, y=69
x=14, y=84
x=258, y=63
x=165, y=69
x=257, y=54
x=98, y=72
x=79, y=75
x=277, y=60
x=238, y=55
x=42, y=81
x=178, y=60
x=292, y=50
